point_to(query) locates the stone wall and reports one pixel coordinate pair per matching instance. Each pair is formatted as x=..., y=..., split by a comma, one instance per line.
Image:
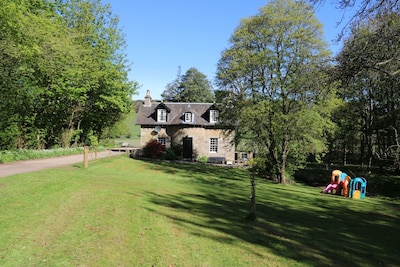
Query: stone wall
x=200, y=136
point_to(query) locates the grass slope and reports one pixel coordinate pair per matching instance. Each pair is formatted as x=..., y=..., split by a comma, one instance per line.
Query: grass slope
x=124, y=212
x=133, y=132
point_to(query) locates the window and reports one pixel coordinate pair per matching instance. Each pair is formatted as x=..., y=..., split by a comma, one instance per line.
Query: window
x=214, y=115
x=161, y=115
x=214, y=145
x=187, y=117
x=162, y=140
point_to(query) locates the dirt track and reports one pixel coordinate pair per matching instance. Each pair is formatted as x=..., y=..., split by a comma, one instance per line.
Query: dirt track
x=25, y=166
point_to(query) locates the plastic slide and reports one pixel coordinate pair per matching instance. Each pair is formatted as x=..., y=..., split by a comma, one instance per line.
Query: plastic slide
x=328, y=189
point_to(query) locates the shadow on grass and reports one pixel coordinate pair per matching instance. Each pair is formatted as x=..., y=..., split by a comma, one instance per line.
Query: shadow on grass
x=293, y=222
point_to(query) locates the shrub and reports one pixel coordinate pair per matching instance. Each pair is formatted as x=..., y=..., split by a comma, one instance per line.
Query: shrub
x=170, y=154
x=153, y=149
x=203, y=159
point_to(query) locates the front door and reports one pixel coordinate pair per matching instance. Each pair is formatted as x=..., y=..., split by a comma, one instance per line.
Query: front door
x=187, y=148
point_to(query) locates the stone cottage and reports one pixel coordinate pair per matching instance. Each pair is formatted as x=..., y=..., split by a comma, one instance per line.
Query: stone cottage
x=192, y=125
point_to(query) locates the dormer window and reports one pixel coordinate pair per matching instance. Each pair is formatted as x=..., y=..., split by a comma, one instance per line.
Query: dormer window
x=187, y=117
x=214, y=115
x=161, y=115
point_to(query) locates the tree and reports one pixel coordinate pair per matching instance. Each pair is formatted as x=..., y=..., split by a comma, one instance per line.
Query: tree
x=366, y=9
x=37, y=53
x=172, y=90
x=273, y=86
x=106, y=88
x=367, y=68
x=64, y=73
x=193, y=86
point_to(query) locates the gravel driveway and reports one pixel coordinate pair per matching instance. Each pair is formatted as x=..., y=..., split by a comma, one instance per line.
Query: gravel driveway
x=7, y=169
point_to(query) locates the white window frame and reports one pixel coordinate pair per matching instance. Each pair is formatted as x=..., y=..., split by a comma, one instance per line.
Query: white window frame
x=161, y=115
x=213, y=145
x=162, y=140
x=214, y=115
x=188, y=117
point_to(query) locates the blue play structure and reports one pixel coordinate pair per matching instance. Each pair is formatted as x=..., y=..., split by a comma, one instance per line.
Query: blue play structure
x=342, y=184
x=358, y=188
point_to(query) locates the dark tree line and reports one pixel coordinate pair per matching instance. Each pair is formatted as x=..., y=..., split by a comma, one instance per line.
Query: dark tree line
x=63, y=73
x=368, y=69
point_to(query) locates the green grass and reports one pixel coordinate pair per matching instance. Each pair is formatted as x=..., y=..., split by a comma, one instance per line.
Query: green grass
x=124, y=212
x=133, y=131
x=27, y=154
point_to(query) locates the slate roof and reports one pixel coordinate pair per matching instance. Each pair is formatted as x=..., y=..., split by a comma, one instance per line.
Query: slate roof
x=147, y=115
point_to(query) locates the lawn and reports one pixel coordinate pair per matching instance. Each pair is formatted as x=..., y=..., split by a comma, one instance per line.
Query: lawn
x=125, y=212
x=133, y=135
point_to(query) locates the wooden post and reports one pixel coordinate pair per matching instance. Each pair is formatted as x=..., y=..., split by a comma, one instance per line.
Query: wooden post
x=85, y=157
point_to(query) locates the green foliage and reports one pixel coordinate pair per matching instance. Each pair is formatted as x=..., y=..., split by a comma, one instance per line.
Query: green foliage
x=173, y=153
x=273, y=87
x=368, y=71
x=203, y=159
x=169, y=155
x=93, y=140
x=63, y=69
x=191, y=87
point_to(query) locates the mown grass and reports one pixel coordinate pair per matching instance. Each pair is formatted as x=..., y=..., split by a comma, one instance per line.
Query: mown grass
x=124, y=212
x=133, y=135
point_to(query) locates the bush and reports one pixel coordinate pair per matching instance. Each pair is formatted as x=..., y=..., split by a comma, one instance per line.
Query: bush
x=203, y=159
x=153, y=150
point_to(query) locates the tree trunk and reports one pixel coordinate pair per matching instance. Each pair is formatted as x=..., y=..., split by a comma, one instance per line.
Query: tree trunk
x=281, y=177
x=252, y=215
x=282, y=170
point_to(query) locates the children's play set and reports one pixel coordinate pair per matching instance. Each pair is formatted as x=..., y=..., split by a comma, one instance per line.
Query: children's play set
x=341, y=184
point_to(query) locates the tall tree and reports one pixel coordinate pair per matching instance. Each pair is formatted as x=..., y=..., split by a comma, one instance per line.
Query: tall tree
x=38, y=53
x=368, y=68
x=106, y=87
x=193, y=86
x=172, y=90
x=273, y=86
x=64, y=73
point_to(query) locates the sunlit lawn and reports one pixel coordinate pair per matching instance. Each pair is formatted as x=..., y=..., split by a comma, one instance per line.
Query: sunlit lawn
x=133, y=130
x=124, y=212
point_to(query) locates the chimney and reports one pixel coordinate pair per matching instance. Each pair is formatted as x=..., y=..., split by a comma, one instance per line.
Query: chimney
x=147, y=99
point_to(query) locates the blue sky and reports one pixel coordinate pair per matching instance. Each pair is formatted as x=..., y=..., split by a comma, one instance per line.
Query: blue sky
x=163, y=35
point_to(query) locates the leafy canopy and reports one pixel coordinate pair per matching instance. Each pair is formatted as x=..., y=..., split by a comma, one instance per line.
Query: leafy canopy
x=193, y=87
x=273, y=85
x=64, y=72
